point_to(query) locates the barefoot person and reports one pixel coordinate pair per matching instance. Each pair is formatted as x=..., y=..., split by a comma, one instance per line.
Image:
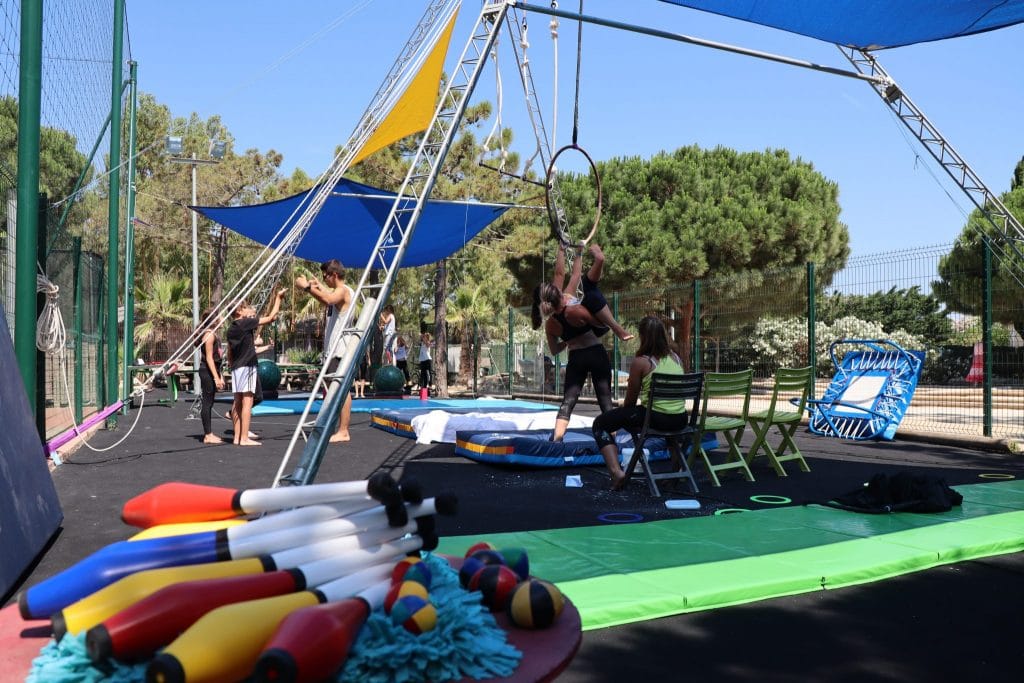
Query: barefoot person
x=210, y=379
x=572, y=328
x=242, y=352
x=654, y=355
x=337, y=297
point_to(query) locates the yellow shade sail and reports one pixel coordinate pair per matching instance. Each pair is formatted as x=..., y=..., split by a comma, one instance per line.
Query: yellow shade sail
x=414, y=109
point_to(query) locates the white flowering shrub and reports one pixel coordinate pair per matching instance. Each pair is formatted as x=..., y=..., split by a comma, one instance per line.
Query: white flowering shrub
x=782, y=342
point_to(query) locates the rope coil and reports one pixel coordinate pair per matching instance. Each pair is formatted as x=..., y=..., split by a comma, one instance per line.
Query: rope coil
x=50, y=332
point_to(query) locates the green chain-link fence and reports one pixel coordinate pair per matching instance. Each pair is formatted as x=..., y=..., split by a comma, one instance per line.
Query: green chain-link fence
x=75, y=97
x=761, y=320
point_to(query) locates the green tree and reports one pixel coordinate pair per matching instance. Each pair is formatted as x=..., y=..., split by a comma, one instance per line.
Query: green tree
x=164, y=191
x=163, y=305
x=60, y=163
x=909, y=310
x=693, y=212
x=469, y=307
x=961, y=271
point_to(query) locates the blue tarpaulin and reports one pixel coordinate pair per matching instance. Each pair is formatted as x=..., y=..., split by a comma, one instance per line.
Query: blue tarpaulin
x=351, y=220
x=871, y=24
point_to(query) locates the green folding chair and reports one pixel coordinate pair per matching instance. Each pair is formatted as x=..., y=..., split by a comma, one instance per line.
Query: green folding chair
x=793, y=384
x=725, y=385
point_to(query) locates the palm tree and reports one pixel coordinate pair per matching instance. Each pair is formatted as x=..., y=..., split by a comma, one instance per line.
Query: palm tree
x=470, y=306
x=164, y=304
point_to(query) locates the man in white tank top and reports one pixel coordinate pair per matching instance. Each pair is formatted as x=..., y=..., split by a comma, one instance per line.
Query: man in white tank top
x=337, y=297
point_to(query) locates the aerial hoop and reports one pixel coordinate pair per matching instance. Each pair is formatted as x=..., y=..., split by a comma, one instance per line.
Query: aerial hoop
x=556, y=227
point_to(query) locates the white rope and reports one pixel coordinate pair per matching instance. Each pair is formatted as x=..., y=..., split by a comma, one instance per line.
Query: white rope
x=524, y=44
x=51, y=338
x=499, y=97
x=554, y=46
x=50, y=333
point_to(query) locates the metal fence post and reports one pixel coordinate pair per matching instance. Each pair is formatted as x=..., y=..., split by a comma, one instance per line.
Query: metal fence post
x=616, y=359
x=111, y=386
x=510, y=352
x=129, y=240
x=986, y=340
x=79, y=361
x=696, y=326
x=812, y=342
x=40, y=393
x=476, y=356
x=30, y=81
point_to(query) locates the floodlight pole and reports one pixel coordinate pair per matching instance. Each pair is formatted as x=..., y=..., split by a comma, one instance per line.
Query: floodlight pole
x=195, y=279
x=194, y=163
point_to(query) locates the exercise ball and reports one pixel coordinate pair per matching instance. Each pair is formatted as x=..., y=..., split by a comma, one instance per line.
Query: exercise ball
x=270, y=375
x=389, y=380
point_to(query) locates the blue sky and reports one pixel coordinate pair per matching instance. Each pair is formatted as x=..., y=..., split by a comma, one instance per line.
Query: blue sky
x=296, y=76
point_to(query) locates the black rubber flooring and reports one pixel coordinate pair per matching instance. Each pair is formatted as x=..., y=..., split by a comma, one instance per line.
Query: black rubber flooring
x=959, y=622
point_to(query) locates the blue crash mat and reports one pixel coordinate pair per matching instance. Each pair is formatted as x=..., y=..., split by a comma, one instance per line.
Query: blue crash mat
x=532, y=448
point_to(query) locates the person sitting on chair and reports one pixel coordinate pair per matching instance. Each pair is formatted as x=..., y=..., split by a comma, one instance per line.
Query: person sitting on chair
x=653, y=355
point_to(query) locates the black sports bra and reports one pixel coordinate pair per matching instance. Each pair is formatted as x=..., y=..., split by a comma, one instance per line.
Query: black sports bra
x=569, y=331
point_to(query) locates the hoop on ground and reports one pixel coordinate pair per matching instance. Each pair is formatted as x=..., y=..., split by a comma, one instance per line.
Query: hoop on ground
x=766, y=499
x=556, y=228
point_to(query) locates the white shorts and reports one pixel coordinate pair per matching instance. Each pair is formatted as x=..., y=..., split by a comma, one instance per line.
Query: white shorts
x=243, y=380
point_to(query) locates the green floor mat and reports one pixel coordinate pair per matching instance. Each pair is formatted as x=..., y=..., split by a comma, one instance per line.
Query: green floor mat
x=618, y=574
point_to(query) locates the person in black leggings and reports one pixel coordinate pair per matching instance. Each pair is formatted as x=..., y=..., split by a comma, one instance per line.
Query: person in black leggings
x=572, y=327
x=210, y=379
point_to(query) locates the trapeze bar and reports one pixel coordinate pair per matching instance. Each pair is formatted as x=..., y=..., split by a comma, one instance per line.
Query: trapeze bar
x=511, y=175
x=657, y=33
x=391, y=197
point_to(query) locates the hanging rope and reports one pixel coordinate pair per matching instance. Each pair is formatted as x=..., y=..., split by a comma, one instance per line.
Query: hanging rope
x=550, y=190
x=576, y=102
x=496, y=128
x=524, y=67
x=51, y=338
x=554, y=45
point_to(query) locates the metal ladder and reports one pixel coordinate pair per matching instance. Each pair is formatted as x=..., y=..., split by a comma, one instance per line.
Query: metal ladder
x=515, y=29
x=390, y=248
x=374, y=113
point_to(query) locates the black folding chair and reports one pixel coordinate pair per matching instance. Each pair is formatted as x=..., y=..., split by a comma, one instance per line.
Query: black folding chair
x=673, y=388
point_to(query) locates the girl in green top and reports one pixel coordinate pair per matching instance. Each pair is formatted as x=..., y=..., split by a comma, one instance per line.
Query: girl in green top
x=654, y=355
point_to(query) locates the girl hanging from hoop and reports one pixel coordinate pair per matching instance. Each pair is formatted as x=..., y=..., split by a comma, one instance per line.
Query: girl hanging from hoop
x=574, y=327
x=592, y=309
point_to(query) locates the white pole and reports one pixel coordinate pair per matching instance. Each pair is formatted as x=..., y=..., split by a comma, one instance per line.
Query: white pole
x=195, y=280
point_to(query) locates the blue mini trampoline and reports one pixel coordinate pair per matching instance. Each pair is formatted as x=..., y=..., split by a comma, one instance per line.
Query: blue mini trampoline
x=870, y=391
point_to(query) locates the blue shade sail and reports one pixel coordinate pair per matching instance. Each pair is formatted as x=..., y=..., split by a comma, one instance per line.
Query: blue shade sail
x=351, y=220
x=871, y=24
